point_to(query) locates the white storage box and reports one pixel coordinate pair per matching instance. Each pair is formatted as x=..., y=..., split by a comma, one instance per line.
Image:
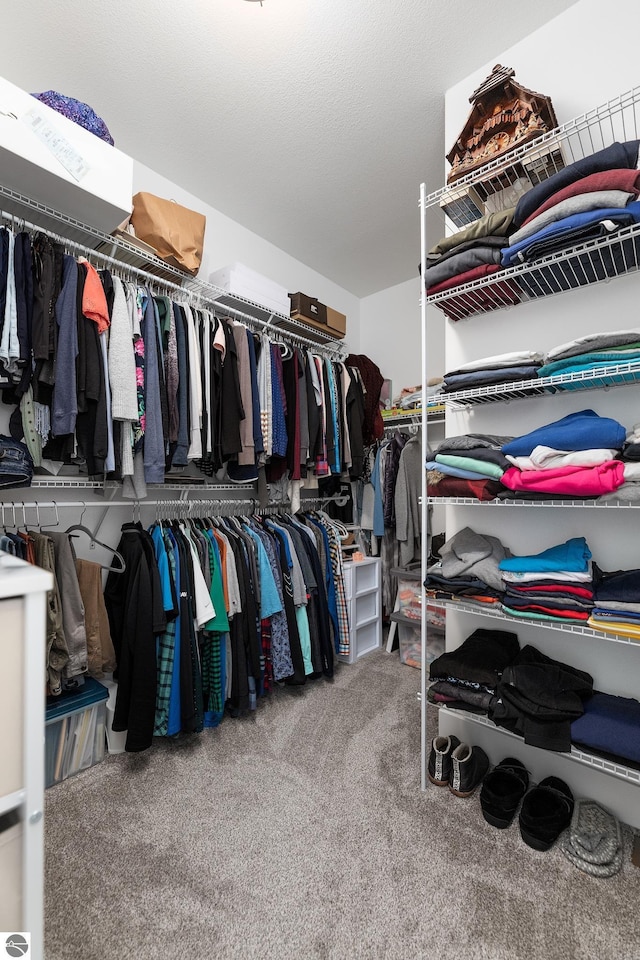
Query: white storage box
x=48, y=158
x=241, y=281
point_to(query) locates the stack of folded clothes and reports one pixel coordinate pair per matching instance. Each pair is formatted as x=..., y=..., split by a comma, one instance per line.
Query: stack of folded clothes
x=573, y=457
x=470, y=254
x=557, y=584
x=469, y=569
x=504, y=368
x=591, y=198
x=539, y=698
x=470, y=465
x=617, y=603
x=466, y=678
x=629, y=492
x=586, y=354
x=611, y=726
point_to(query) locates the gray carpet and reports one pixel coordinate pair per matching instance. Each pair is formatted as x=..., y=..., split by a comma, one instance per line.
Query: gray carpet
x=302, y=833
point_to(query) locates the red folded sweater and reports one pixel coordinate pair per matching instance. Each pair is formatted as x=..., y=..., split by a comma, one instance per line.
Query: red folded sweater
x=627, y=180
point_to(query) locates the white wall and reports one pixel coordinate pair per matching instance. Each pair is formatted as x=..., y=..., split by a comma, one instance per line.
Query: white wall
x=228, y=242
x=390, y=334
x=564, y=60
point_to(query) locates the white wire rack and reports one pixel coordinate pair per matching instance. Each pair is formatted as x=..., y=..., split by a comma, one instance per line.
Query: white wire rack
x=520, y=169
x=472, y=502
x=598, y=378
x=496, y=614
x=579, y=756
x=125, y=256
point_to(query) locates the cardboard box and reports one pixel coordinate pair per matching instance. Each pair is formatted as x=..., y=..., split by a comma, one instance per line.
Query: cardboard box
x=48, y=158
x=330, y=332
x=336, y=321
x=308, y=307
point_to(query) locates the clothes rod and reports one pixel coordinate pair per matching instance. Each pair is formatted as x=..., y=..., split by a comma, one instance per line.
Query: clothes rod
x=203, y=293
x=21, y=506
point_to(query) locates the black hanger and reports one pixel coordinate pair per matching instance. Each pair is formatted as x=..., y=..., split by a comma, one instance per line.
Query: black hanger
x=80, y=528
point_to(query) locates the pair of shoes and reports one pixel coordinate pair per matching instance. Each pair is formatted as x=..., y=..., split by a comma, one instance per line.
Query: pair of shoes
x=593, y=842
x=546, y=812
x=502, y=791
x=456, y=765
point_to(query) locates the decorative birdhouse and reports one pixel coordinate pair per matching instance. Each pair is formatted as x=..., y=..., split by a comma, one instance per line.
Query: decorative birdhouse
x=504, y=115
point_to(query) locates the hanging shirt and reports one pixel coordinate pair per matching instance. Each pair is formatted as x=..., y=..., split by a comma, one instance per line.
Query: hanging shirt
x=195, y=388
x=203, y=606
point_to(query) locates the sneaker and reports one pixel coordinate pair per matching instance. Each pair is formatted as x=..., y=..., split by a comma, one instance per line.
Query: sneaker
x=502, y=791
x=439, y=766
x=468, y=768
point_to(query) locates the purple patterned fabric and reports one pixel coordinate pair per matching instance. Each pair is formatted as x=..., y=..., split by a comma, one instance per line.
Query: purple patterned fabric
x=80, y=113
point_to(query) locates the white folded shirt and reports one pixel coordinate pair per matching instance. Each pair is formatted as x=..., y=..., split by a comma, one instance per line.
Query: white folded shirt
x=517, y=359
x=546, y=458
x=585, y=341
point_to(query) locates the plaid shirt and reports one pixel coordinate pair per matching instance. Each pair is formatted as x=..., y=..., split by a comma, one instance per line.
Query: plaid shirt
x=335, y=555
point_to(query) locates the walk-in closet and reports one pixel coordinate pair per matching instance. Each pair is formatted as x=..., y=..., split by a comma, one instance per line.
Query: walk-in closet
x=319, y=481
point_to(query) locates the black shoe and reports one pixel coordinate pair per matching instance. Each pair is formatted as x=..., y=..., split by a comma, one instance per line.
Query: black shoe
x=439, y=766
x=502, y=791
x=546, y=812
x=468, y=768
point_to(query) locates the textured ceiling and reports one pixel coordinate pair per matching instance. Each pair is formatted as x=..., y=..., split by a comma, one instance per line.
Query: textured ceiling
x=311, y=122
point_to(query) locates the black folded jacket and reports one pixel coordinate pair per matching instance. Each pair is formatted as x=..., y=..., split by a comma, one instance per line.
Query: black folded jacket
x=482, y=657
x=538, y=697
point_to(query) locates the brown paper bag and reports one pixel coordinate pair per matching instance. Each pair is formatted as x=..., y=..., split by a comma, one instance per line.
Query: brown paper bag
x=175, y=232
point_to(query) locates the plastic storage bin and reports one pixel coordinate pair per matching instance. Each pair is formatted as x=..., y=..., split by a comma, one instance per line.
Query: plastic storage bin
x=410, y=598
x=75, y=732
x=409, y=634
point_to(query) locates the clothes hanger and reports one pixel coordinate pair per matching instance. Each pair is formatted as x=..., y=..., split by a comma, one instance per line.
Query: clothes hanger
x=337, y=525
x=285, y=349
x=56, y=522
x=80, y=528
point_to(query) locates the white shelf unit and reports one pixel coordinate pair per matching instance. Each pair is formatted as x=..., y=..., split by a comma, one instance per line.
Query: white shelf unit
x=363, y=591
x=23, y=598
x=511, y=409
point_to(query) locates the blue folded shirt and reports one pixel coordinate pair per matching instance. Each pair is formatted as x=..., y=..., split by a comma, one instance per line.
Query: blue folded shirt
x=584, y=430
x=622, y=216
x=573, y=555
x=611, y=724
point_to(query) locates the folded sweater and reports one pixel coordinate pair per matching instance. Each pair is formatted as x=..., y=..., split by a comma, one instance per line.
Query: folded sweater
x=572, y=555
x=594, y=342
x=578, y=431
x=577, y=480
x=624, y=179
x=548, y=458
x=490, y=225
x=614, y=157
x=566, y=208
x=574, y=229
x=611, y=724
